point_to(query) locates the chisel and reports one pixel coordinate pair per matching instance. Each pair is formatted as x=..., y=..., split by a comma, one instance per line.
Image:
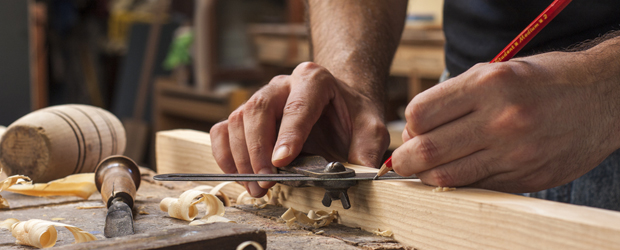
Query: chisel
x=118, y=178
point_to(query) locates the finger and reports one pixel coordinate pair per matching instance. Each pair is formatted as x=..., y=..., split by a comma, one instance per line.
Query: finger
x=440, y=104
x=461, y=172
x=312, y=88
x=240, y=154
x=221, y=153
x=444, y=144
x=262, y=112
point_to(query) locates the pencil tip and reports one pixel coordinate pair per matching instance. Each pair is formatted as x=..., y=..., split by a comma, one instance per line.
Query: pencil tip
x=376, y=177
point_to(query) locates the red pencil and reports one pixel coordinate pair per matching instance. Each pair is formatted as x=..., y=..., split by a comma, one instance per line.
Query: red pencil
x=512, y=49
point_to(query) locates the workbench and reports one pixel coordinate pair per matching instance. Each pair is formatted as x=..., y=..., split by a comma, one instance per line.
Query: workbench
x=150, y=193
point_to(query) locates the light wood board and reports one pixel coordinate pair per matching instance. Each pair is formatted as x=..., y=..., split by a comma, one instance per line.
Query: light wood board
x=467, y=218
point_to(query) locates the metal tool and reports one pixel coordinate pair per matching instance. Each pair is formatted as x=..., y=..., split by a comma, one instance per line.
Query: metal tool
x=118, y=178
x=305, y=171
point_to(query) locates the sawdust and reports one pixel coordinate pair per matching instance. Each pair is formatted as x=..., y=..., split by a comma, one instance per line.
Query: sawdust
x=314, y=219
x=384, y=233
x=444, y=189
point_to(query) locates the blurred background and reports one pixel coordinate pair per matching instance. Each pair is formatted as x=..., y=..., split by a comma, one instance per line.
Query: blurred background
x=165, y=64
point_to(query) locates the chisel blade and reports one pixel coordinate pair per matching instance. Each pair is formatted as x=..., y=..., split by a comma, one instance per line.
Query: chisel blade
x=119, y=220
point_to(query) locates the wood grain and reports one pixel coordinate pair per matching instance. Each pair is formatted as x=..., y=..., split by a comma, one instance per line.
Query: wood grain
x=54, y=142
x=467, y=218
x=210, y=236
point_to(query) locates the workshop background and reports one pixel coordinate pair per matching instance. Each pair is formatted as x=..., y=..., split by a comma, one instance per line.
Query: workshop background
x=139, y=59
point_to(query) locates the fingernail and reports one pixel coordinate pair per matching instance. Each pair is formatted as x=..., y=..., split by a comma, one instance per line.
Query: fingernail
x=255, y=190
x=281, y=153
x=266, y=184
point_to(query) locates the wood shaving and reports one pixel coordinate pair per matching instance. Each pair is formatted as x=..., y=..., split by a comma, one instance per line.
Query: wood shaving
x=386, y=233
x=216, y=191
x=211, y=219
x=245, y=198
x=142, y=211
x=57, y=219
x=90, y=207
x=40, y=233
x=321, y=232
x=315, y=219
x=184, y=207
x=444, y=189
x=245, y=244
x=80, y=185
x=8, y=182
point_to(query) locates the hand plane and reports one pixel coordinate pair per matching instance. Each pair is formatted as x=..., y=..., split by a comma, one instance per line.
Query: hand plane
x=304, y=171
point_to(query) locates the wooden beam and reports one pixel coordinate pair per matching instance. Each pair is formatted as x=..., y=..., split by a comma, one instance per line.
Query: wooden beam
x=466, y=218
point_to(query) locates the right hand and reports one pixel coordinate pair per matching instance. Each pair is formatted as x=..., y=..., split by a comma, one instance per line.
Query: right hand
x=315, y=112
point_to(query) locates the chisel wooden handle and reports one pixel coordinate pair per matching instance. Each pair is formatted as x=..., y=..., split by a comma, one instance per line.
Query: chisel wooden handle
x=54, y=142
x=117, y=177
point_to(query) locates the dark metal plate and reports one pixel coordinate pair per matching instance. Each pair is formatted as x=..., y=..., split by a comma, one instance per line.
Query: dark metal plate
x=273, y=177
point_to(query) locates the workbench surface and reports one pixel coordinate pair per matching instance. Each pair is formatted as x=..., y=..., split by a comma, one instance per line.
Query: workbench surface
x=150, y=193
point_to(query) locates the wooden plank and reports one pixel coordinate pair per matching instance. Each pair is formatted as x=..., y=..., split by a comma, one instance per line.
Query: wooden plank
x=218, y=236
x=467, y=218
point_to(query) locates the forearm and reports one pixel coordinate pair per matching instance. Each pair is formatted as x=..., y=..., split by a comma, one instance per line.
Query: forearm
x=602, y=64
x=356, y=40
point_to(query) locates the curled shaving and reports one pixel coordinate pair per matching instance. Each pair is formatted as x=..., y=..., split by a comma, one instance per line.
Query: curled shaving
x=7, y=183
x=184, y=207
x=40, y=233
x=216, y=191
x=211, y=219
x=245, y=198
x=315, y=219
x=248, y=243
x=80, y=185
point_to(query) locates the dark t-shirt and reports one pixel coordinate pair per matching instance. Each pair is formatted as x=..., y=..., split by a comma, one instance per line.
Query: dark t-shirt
x=477, y=30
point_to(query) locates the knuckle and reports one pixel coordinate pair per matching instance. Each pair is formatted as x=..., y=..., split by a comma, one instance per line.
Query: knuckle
x=441, y=177
x=256, y=149
x=426, y=150
x=295, y=107
x=495, y=75
x=515, y=119
x=219, y=128
x=236, y=116
x=309, y=71
x=415, y=112
x=278, y=79
x=259, y=101
x=307, y=66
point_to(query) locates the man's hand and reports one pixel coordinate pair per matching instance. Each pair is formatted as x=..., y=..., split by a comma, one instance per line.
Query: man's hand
x=525, y=125
x=314, y=111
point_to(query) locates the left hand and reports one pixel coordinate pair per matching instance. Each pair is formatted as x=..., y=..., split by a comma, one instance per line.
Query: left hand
x=520, y=126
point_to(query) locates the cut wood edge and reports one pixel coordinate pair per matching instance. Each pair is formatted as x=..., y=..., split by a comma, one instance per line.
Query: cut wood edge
x=464, y=218
x=2, y=129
